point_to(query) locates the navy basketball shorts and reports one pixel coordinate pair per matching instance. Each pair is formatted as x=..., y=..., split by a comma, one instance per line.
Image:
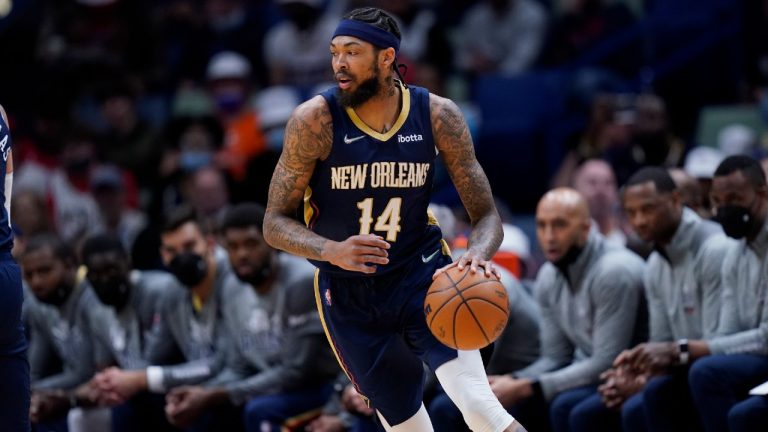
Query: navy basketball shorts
x=377, y=329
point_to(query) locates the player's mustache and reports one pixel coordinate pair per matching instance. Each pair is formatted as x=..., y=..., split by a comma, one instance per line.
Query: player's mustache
x=343, y=75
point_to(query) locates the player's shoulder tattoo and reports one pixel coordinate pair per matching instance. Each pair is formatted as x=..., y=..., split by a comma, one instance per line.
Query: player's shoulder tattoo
x=448, y=125
x=309, y=132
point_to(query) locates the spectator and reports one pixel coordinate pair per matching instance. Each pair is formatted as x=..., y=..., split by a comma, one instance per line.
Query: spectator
x=651, y=142
x=209, y=196
x=608, y=126
x=129, y=142
x=282, y=367
x=501, y=36
x=192, y=324
x=726, y=366
x=75, y=212
x=296, y=50
x=229, y=84
x=701, y=163
x=109, y=191
x=589, y=296
x=740, y=196
x=690, y=192
x=595, y=181
x=122, y=328
x=36, y=218
x=683, y=288
x=191, y=144
x=61, y=352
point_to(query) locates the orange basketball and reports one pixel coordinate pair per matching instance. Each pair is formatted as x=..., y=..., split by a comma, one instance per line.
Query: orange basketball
x=466, y=311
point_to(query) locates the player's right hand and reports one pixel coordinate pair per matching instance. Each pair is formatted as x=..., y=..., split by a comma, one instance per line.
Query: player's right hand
x=361, y=253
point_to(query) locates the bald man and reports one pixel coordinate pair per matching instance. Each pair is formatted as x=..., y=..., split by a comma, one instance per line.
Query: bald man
x=589, y=295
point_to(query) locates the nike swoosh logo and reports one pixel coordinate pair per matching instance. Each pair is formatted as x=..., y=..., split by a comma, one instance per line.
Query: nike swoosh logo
x=351, y=140
x=429, y=258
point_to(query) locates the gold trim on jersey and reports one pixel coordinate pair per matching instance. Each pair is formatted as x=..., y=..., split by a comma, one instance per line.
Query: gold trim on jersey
x=308, y=210
x=432, y=220
x=404, y=111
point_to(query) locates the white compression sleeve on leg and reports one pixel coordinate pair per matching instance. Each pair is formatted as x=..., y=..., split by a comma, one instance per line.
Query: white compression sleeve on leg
x=418, y=422
x=465, y=382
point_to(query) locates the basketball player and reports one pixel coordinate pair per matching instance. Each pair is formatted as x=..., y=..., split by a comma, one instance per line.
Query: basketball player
x=361, y=158
x=14, y=368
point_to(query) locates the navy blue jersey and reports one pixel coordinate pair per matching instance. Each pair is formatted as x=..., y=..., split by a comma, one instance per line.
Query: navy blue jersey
x=6, y=236
x=373, y=183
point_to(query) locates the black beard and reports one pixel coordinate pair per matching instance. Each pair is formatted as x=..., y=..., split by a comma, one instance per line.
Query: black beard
x=258, y=276
x=367, y=90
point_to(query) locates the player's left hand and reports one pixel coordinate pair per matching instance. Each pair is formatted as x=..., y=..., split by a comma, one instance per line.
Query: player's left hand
x=183, y=405
x=509, y=390
x=474, y=261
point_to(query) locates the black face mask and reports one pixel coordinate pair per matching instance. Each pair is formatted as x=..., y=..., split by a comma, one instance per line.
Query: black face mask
x=58, y=296
x=112, y=291
x=189, y=268
x=736, y=220
x=569, y=258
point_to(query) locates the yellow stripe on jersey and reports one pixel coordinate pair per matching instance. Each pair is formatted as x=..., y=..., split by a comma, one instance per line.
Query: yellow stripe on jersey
x=308, y=210
x=406, y=108
x=432, y=220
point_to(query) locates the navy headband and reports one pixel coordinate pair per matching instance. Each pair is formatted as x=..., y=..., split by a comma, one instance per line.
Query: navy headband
x=367, y=32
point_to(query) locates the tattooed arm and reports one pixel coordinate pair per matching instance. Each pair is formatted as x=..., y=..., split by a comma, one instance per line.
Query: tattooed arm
x=455, y=144
x=308, y=138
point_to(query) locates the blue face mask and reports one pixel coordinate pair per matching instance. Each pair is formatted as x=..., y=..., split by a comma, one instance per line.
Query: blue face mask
x=229, y=102
x=193, y=160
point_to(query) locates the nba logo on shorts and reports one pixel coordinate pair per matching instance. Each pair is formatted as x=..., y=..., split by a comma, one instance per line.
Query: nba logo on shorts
x=328, y=297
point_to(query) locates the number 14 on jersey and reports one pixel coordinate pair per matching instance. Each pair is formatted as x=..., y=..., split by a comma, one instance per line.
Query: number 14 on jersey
x=388, y=221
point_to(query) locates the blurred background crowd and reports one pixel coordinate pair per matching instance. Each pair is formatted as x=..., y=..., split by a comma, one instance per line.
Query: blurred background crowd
x=124, y=109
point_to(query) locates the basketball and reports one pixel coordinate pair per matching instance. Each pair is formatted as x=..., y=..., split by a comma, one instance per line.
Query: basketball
x=466, y=311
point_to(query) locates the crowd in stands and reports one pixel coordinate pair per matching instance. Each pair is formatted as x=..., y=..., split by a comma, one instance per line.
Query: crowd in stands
x=615, y=134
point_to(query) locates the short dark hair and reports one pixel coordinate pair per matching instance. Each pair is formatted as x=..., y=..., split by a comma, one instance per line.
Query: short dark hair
x=244, y=215
x=179, y=216
x=748, y=166
x=61, y=250
x=658, y=175
x=375, y=17
x=102, y=243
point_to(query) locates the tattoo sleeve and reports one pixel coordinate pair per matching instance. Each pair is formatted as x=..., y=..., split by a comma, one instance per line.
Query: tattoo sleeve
x=308, y=137
x=455, y=144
